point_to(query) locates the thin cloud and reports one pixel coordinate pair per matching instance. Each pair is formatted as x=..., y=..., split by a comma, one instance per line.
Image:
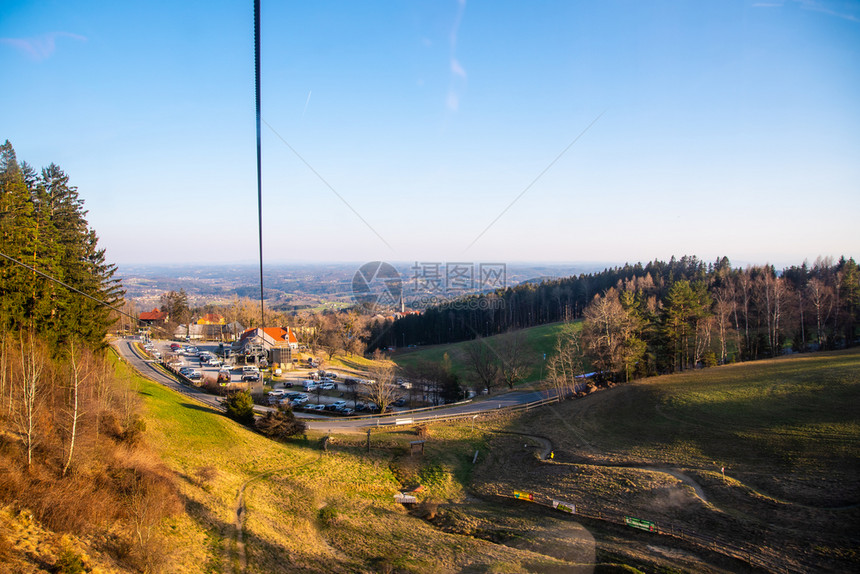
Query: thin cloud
x=306, y=103
x=835, y=9
x=825, y=8
x=41, y=47
x=453, y=101
x=457, y=69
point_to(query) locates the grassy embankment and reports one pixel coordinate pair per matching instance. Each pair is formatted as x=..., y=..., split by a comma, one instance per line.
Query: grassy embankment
x=539, y=341
x=306, y=509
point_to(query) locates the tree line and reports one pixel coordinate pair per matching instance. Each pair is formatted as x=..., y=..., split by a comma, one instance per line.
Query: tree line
x=640, y=327
x=675, y=313
x=43, y=225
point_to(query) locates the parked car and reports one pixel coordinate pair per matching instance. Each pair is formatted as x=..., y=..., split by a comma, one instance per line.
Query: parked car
x=346, y=411
x=327, y=386
x=195, y=375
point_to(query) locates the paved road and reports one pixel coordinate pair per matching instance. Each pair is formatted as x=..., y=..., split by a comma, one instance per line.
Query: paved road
x=153, y=371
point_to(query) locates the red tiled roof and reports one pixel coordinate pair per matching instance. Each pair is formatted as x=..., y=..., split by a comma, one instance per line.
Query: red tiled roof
x=154, y=315
x=276, y=333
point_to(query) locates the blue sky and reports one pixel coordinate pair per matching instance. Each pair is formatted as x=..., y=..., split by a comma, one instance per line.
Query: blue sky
x=722, y=127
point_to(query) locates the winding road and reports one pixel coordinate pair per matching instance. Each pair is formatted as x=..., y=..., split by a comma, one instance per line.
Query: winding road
x=153, y=370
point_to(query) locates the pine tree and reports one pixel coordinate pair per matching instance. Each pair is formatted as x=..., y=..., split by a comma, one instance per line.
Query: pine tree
x=43, y=225
x=17, y=233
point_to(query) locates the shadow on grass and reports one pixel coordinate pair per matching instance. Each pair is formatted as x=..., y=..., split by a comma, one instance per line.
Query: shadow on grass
x=222, y=537
x=202, y=408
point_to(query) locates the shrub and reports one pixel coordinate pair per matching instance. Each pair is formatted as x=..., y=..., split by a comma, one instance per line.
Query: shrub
x=327, y=515
x=240, y=407
x=281, y=424
x=69, y=563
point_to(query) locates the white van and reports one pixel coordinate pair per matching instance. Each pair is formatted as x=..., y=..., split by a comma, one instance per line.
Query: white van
x=250, y=373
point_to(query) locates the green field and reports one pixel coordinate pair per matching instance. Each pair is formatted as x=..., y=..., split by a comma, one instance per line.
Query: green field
x=539, y=342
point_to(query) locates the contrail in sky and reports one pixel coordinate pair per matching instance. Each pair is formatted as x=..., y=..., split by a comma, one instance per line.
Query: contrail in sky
x=306, y=103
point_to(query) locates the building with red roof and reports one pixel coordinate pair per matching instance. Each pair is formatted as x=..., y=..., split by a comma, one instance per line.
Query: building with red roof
x=154, y=317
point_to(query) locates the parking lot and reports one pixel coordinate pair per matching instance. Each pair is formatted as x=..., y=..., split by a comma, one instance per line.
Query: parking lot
x=304, y=389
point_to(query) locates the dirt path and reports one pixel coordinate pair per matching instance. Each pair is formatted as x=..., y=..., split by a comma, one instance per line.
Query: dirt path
x=239, y=513
x=547, y=449
x=697, y=488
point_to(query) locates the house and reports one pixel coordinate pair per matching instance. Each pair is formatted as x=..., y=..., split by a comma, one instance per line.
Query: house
x=274, y=344
x=194, y=332
x=154, y=317
x=213, y=325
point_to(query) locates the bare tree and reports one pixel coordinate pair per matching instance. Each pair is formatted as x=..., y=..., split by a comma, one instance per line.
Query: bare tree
x=821, y=298
x=514, y=362
x=609, y=333
x=30, y=400
x=725, y=306
x=5, y=378
x=101, y=391
x=566, y=364
x=381, y=389
x=78, y=375
x=481, y=358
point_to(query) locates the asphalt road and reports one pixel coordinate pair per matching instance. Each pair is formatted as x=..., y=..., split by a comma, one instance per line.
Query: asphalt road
x=154, y=371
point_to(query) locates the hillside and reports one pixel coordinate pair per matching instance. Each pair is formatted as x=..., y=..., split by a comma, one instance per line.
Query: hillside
x=306, y=509
x=785, y=431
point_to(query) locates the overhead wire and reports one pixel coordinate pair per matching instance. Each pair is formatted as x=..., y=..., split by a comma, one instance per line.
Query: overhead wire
x=259, y=161
x=67, y=286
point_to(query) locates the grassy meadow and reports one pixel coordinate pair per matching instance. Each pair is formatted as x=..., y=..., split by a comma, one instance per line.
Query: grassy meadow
x=539, y=341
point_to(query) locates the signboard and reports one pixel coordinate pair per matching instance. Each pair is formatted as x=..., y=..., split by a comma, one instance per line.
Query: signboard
x=564, y=506
x=640, y=524
x=524, y=495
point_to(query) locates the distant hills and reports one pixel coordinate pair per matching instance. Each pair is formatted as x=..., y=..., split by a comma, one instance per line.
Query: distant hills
x=299, y=285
